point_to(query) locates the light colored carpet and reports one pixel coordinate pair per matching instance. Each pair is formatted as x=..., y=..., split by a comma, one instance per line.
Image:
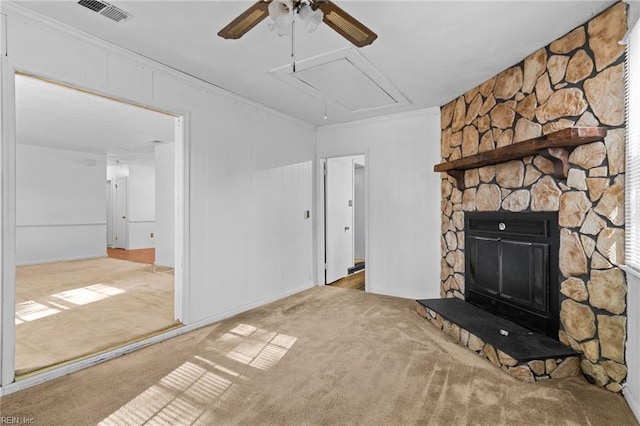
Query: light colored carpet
x=325, y=356
x=66, y=310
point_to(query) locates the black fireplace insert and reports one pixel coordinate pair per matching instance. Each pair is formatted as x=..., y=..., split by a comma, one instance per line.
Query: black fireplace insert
x=511, y=266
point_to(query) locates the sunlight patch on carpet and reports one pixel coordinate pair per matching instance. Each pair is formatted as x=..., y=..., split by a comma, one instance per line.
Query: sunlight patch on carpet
x=89, y=294
x=181, y=397
x=261, y=349
x=190, y=393
x=31, y=310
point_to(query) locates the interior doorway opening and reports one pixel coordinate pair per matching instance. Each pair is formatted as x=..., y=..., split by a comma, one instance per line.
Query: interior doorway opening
x=344, y=222
x=72, y=299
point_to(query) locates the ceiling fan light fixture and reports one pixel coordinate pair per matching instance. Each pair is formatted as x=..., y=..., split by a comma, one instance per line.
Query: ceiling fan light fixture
x=311, y=18
x=281, y=13
x=312, y=13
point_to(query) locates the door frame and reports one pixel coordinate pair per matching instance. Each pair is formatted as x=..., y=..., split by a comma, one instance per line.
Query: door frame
x=116, y=208
x=321, y=160
x=110, y=210
x=8, y=220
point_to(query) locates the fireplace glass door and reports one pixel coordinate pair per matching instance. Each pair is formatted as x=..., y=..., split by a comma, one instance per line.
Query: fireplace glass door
x=513, y=270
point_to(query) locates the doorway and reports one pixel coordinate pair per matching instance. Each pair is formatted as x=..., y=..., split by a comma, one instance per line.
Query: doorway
x=72, y=300
x=344, y=222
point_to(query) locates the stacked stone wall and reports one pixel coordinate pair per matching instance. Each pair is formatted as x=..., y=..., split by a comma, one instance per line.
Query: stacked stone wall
x=577, y=80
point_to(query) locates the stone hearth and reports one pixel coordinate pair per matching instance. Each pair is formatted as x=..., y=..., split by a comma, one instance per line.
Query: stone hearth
x=576, y=81
x=525, y=355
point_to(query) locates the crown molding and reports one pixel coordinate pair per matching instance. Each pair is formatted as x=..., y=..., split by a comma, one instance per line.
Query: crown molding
x=11, y=9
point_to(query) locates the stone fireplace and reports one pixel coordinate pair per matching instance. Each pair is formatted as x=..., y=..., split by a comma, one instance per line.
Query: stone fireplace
x=576, y=81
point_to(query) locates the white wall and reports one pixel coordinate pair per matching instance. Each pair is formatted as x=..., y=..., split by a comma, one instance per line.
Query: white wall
x=632, y=390
x=250, y=167
x=404, y=221
x=165, y=204
x=60, y=205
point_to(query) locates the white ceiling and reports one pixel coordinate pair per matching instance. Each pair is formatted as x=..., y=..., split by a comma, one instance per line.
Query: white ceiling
x=55, y=116
x=431, y=51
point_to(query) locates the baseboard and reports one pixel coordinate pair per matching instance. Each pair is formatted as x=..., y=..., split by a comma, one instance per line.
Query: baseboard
x=632, y=403
x=60, y=259
x=64, y=370
x=401, y=294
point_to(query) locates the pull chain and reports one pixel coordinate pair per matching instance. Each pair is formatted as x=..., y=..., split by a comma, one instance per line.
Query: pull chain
x=293, y=44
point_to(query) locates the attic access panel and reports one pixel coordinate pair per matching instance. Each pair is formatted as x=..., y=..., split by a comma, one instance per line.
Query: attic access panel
x=343, y=79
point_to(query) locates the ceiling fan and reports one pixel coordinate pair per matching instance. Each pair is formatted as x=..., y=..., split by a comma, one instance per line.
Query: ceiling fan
x=312, y=12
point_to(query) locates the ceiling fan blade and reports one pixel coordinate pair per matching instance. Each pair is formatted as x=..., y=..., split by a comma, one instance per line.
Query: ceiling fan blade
x=345, y=25
x=247, y=20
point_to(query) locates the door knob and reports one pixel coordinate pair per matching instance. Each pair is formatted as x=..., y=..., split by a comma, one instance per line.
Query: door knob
x=124, y=217
x=346, y=228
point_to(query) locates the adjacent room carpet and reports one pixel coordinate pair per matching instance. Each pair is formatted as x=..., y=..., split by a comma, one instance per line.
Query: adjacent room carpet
x=67, y=310
x=324, y=356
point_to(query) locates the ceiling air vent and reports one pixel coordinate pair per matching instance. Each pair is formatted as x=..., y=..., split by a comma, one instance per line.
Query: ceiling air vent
x=105, y=9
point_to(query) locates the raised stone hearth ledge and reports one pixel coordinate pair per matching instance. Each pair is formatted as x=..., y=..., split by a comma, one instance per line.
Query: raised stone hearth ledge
x=555, y=146
x=525, y=370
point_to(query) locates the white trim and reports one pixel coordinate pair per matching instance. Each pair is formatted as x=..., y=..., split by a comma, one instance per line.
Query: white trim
x=3, y=34
x=14, y=10
x=320, y=207
x=7, y=252
x=632, y=402
x=182, y=294
x=8, y=221
x=58, y=225
x=142, y=221
x=365, y=121
x=60, y=259
x=97, y=359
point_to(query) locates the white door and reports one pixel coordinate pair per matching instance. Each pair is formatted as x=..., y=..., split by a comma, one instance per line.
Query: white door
x=110, y=234
x=120, y=240
x=339, y=218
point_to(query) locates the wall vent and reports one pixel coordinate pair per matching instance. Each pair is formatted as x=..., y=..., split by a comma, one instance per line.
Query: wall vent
x=105, y=9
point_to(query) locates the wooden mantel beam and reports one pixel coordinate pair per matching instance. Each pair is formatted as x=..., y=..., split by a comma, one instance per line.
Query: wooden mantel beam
x=556, y=146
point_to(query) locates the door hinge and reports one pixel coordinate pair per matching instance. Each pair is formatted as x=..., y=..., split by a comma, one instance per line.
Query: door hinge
x=325, y=169
x=326, y=266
